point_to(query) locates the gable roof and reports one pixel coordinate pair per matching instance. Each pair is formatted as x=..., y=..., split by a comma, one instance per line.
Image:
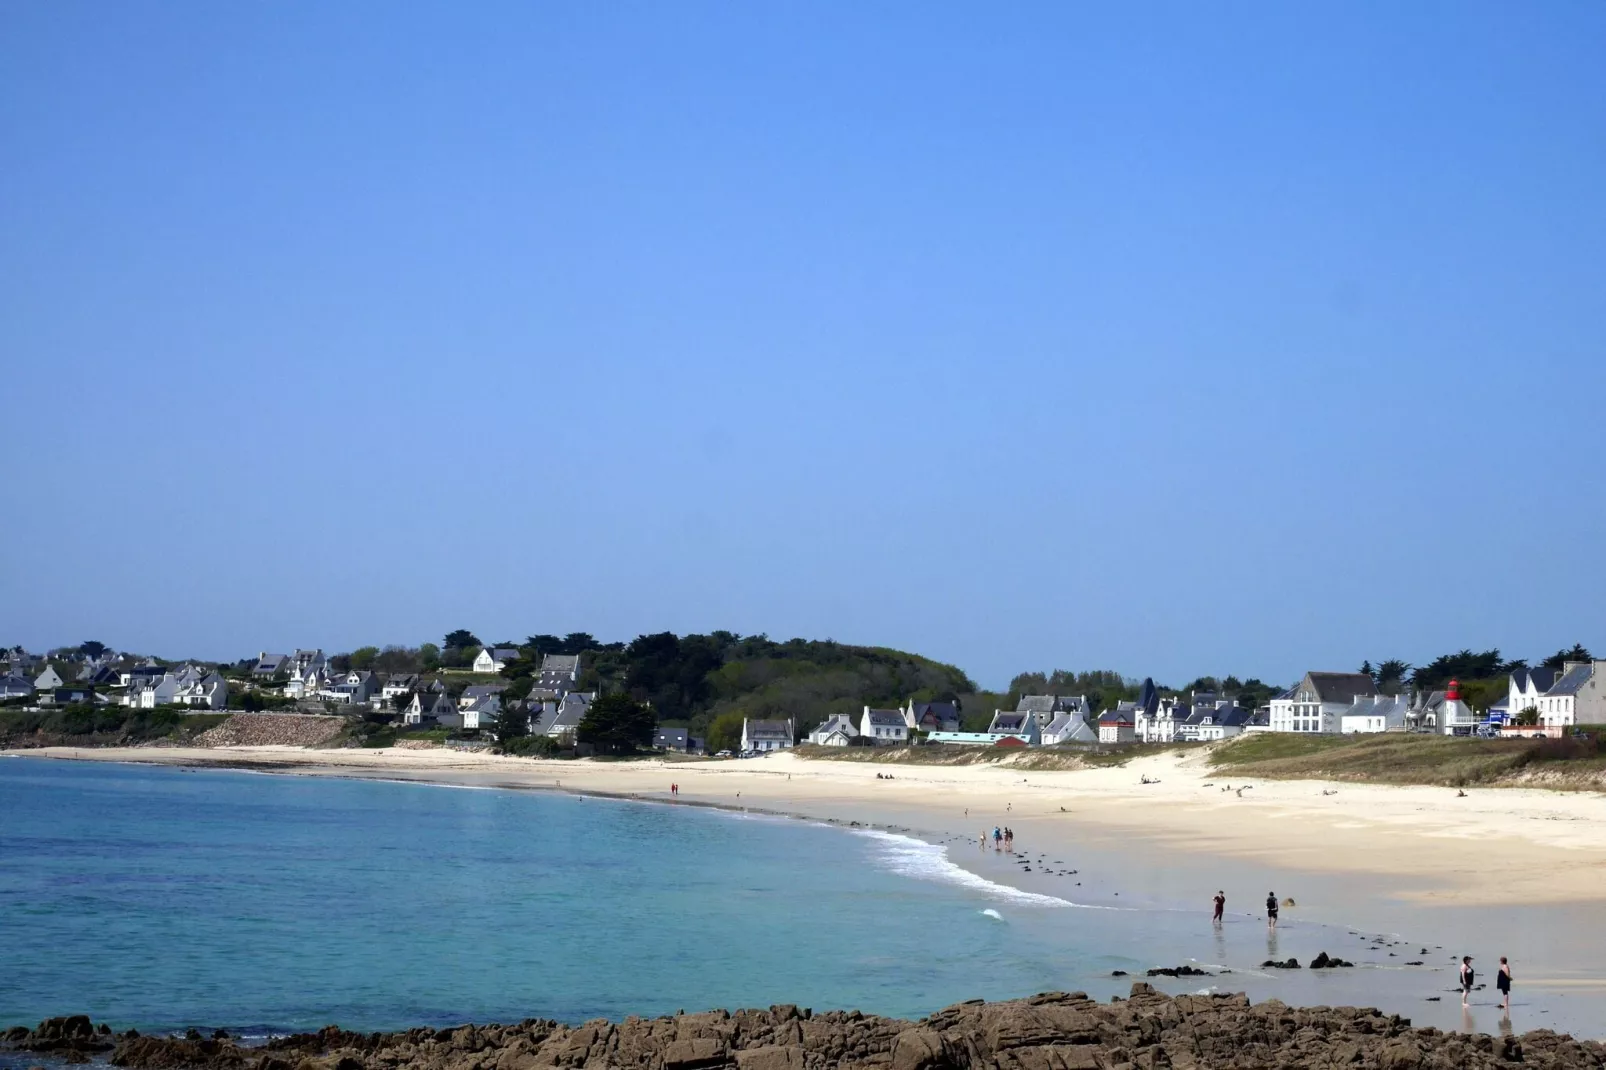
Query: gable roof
x=889, y=718
x=474, y=692
x=1036, y=704
x=772, y=729
x=1341, y=686
x=942, y=711
x=502, y=653
x=1004, y=721
x=566, y=663
x=269, y=664
x=1572, y=680
x=1114, y=717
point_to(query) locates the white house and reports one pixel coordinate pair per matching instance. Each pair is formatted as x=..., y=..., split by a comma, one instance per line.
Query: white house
x=1208, y=724
x=837, y=730
x=494, y=659
x=763, y=736
x=1015, y=724
x=481, y=712
x=1069, y=728
x=1316, y=703
x=1375, y=713
x=474, y=692
x=1578, y=696
x=398, y=684
x=48, y=680
x=1115, y=726
x=428, y=706
x=884, y=726
x=351, y=688
x=211, y=692
x=1526, y=687
x=932, y=716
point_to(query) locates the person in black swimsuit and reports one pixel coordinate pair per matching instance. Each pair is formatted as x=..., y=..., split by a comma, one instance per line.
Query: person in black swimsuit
x=1220, y=902
x=1271, y=910
x=1466, y=978
x=1502, y=981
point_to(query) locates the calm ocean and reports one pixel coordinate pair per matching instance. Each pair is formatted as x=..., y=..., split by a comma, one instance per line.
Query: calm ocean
x=159, y=898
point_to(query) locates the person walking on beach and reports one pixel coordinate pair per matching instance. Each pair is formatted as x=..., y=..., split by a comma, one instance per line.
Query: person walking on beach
x=1271, y=910
x=998, y=838
x=1502, y=981
x=1220, y=902
x=1009, y=839
x=1467, y=976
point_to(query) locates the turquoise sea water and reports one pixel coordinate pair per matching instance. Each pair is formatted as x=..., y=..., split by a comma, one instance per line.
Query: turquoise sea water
x=159, y=899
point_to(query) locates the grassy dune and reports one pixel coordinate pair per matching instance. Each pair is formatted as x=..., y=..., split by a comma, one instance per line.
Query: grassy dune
x=1397, y=758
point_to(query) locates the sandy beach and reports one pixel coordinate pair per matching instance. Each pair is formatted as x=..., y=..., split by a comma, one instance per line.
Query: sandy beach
x=1492, y=847
x=1498, y=871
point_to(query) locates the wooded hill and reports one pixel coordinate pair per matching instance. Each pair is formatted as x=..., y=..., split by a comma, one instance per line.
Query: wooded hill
x=710, y=682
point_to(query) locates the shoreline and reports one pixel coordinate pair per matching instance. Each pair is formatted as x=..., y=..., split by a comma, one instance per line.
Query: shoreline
x=1107, y=833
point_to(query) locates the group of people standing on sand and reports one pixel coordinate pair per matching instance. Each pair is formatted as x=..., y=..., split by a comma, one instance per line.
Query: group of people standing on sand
x=1003, y=839
x=674, y=789
x=1502, y=981
x=1218, y=905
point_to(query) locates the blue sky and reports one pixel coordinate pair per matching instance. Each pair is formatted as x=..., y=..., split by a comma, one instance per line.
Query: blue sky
x=1168, y=338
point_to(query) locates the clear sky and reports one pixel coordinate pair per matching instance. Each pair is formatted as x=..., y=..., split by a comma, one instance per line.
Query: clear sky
x=1170, y=338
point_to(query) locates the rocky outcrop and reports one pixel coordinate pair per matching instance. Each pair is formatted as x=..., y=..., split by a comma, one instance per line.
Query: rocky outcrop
x=1054, y=1031
x=1324, y=961
x=272, y=729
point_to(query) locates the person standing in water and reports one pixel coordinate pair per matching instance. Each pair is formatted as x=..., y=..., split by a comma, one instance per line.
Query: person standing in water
x=998, y=838
x=1220, y=902
x=1467, y=977
x=1502, y=981
x=1271, y=910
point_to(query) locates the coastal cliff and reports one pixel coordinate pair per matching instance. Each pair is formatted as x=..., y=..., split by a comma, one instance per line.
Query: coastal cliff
x=1054, y=1031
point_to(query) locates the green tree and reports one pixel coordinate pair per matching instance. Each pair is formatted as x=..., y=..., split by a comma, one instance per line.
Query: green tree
x=725, y=732
x=92, y=649
x=617, y=724
x=1391, y=674
x=1367, y=670
x=363, y=658
x=1561, y=657
x=429, y=657
x=1529, y=716
x=511, y=722
x=459, y=639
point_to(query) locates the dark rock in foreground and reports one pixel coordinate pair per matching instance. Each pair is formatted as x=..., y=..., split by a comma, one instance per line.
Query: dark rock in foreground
x=1055, y=1031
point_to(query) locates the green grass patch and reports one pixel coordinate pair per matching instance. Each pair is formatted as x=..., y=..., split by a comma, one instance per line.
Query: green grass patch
x=1404, y=758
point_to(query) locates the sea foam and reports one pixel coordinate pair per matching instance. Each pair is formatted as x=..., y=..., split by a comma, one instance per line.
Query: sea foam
x=920, y=860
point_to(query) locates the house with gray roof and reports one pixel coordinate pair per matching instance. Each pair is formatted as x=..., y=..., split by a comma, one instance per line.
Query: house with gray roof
x=1208, y=724
x=1024, y=725
x=675, y=739
x=569, y=713
x=429, y=707
x=49, y=679
x=1376, y=713
x=1578, y=696
x=1316, y=703
x=1069, y=728
x=766, y=736
x=475, y=692
x=15, y=685
x=270, y=665
x=837, y=730
x=932, y=716
x=884, y=727
x=495, y=659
